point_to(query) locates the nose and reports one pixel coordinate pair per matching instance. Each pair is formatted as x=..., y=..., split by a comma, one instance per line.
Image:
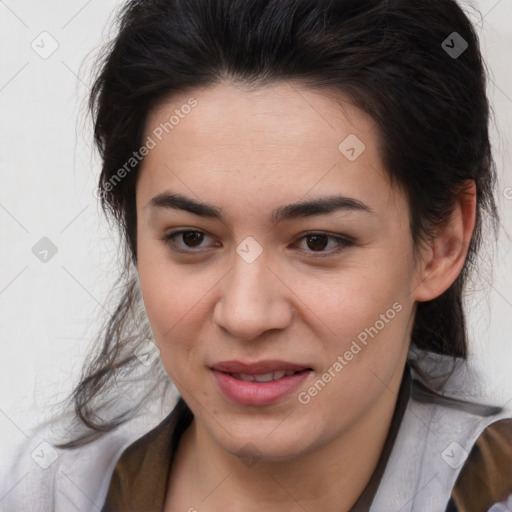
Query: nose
x=252, y=300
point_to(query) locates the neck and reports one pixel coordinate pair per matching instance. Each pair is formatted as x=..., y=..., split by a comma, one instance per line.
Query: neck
x=327, y=477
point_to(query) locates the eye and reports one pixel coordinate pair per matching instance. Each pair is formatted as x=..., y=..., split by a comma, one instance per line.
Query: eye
x=185, y=240
x=317, y=242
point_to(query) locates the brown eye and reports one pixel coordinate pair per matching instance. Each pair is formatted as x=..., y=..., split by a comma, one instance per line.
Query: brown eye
x=186, y=240
x=192, y=238
x=317, y=242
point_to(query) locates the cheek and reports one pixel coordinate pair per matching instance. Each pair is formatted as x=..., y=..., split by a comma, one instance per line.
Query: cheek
x=176, y=304
x=367, y=337
x=362, y=314
x=166, y=299
x=168, y=312
x=346, y=301
x=166, y=296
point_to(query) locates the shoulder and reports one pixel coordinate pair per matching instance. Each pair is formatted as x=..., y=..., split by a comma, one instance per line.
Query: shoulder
x=486, y=476
x=438, y=432
x=155, y=443
x=139, y=478
x=38, y=476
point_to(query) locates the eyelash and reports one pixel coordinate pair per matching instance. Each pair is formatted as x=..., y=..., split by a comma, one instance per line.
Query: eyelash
x=343, y=242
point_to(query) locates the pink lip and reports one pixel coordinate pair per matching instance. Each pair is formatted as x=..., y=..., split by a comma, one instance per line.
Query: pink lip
x=257, y=368
x=257, y=393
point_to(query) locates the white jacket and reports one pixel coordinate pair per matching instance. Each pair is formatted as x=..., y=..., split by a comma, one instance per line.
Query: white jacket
x=429, y=451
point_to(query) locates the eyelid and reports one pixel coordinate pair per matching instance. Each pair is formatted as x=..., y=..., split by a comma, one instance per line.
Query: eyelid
x=168, y=239
x=342, y=240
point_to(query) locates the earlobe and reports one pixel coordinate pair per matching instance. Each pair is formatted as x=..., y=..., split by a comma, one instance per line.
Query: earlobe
x=444, y=258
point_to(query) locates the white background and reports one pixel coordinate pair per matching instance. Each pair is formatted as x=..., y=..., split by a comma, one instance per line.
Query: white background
x=50, y=311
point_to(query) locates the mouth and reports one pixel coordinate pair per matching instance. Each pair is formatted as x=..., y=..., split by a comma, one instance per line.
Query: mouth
x=265, y=377
x=260, y=383
x=262, y=367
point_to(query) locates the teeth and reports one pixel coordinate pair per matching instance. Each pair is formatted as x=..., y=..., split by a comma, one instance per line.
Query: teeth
x=265, y=377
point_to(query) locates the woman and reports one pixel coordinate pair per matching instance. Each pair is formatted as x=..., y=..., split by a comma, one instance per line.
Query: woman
x=301, y=188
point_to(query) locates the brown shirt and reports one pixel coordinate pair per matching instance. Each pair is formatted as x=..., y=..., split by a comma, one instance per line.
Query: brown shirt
x=140, y=478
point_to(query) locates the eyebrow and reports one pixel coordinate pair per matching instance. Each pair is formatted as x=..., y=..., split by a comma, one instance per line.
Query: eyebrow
x=322, y=205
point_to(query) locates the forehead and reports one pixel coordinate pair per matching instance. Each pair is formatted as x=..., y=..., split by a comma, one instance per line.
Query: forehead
x=280, y=140
x=285, y=112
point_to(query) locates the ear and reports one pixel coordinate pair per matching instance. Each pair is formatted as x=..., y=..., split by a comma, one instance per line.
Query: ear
x=443, y=257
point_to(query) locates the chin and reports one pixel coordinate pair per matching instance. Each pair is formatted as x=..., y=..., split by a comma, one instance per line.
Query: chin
x=265, y=443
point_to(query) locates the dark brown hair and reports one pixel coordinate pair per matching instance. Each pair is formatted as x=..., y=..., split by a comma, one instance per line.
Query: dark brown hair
x=389, y=57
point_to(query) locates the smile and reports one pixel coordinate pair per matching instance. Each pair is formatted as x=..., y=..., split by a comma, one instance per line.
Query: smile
x=259, y=389
x=265, y=377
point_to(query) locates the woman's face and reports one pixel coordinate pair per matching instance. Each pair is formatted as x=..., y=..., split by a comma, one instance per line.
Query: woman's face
x=254, y=283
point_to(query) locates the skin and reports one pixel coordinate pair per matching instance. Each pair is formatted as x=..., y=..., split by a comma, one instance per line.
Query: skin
x=249, y=152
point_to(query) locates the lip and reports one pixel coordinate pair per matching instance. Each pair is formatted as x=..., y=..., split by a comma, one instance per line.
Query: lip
x=257, y=393
x=258, y=367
